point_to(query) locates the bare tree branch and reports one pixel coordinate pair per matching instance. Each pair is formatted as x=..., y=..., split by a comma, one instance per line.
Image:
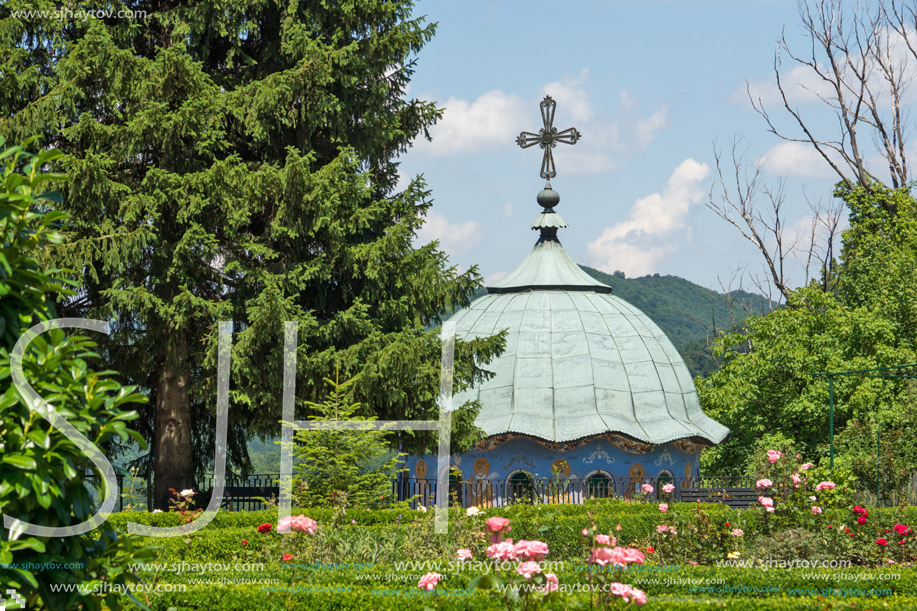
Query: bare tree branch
x=861, y=56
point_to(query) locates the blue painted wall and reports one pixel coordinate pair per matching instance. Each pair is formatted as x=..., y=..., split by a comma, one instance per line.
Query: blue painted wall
x=599, y=455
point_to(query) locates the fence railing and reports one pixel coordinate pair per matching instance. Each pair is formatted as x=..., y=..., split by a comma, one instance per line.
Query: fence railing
x=889, y=498
x=93, y=485
x=499, y=493
x=243, y=492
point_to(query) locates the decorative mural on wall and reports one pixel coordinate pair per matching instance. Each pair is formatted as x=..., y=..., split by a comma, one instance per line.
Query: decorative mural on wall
x=630, y=446
x=599, y=454
x=598, y=461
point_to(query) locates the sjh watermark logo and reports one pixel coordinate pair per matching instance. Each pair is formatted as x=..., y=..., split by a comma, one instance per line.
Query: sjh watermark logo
x=290, y=328
x=14, y=602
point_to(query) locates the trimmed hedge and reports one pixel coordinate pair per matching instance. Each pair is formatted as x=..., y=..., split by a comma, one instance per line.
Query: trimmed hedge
x=559, y=526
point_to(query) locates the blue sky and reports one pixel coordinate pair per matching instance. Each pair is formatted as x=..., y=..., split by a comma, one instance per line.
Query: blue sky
x=651, y=85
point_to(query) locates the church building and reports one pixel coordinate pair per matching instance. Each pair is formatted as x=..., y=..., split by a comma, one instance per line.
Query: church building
x=589, y=398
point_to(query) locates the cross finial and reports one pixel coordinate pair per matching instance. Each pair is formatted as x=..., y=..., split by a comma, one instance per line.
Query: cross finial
x=548, y=137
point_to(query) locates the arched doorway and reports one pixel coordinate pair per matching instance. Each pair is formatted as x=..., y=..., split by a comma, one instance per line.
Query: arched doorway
x=520, y=487
x=599, y=485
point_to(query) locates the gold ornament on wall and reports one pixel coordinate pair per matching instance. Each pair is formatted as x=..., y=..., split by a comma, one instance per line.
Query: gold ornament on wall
x=637, y=473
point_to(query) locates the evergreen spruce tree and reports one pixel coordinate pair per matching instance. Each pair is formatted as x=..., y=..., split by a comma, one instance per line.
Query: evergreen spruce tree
x=238, y=160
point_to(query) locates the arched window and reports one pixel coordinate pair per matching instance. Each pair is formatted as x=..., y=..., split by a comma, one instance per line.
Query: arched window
x=520, y=485
x=599, y=485
x=665, y=477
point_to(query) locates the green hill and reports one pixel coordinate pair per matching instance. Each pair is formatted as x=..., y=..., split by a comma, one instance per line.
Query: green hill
x=687, y=312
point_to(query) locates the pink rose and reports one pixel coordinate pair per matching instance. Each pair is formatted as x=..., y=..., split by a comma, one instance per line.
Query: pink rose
x=620, y=589
x=797, y=479
x=769, y=509
x=496, y=525
x=634, y=555
x=600, y=556
x=668, y=488
x=620, y=555
x=766, y=501
x=774, y=455
x=603, y=539
x=527, y=569
x=826, y=486
x=764, y=483
x=663, y=507
x=627, y=593
x=816, y=511
x=585, y=532
x=661, y=528
x=464, y=554
x=737, y=532
x=531, y=550
x=505, y=550
x=647, y=488
x=552, y=584
x=639, y=596
x=298, y=523
x=806, y=466
x=429, y=581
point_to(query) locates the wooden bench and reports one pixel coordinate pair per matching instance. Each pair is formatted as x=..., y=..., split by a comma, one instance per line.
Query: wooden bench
x=739, y=498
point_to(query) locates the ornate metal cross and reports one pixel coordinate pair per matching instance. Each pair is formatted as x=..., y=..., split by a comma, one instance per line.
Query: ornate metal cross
x=548, y=137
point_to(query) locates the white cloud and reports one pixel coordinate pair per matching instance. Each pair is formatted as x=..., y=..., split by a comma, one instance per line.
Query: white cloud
x=403, y=182
x=637, y=244
x=508, y=210
x=571, y=95
x=489, y=122
x=495, y=118
x=796, y=159
x=494, y=277
x=454, y=238
x=647, y=128
x=800, y=83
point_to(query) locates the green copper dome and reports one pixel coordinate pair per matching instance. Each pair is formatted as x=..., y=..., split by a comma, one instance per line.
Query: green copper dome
x=578, y=361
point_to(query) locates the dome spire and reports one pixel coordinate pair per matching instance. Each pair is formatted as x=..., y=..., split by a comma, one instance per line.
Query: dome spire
x=547, y=138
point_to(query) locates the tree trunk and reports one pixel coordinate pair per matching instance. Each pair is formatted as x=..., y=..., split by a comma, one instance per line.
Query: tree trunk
x=173, y=466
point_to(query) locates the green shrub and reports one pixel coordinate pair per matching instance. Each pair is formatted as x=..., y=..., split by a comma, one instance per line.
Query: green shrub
x=42, y=471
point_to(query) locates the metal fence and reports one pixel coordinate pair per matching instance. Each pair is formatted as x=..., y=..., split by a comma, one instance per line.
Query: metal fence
x=908, y=495
x=93, y=485
x=244, y=492
x=499, y=493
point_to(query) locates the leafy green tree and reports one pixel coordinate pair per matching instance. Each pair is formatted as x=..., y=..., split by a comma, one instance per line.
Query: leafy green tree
x=866, y=321
x=42, y=472
x=237, y=160
x=335, y=468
